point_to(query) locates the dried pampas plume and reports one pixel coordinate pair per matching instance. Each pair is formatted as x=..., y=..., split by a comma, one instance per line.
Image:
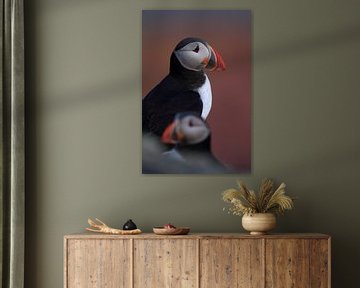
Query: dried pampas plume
x=267, y=200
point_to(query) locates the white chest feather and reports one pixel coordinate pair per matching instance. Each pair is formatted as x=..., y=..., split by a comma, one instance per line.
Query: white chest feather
x=206, y=97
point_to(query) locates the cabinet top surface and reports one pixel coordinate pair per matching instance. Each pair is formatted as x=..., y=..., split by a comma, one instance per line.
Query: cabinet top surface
x=86, y=235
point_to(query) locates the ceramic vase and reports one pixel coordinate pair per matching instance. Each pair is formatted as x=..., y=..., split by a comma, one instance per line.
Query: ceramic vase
x=259, y=223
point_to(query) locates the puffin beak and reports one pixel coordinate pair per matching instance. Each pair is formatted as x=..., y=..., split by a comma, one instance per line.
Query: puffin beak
x=215, y=62
x=167, y=136
x=172, y=135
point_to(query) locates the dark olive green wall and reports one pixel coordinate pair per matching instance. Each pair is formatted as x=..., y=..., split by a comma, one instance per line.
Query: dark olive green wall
x=83, y=126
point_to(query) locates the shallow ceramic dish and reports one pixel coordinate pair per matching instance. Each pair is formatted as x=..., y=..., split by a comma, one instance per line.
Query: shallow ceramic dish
x=171, y=231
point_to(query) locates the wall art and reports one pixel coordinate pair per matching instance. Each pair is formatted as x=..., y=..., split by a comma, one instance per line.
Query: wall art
x=196, y=91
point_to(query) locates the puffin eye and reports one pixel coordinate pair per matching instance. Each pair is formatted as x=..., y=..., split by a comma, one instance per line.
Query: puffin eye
x=196, y=49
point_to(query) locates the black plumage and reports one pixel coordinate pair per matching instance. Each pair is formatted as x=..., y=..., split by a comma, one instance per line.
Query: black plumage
x=172, y=95
x=175, y=93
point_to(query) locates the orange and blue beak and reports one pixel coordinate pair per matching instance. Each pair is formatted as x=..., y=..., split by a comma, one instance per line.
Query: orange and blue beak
x=215, y=62
x=171, y=134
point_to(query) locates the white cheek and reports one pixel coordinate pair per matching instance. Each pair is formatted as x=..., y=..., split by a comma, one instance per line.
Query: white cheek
x=203, y=53
x=189, y=59
x=192, y=58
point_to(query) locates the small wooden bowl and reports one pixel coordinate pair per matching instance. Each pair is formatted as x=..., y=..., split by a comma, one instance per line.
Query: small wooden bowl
x=171, y=231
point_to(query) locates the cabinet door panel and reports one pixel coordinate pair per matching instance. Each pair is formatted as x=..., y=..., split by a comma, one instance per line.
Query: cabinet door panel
x=319, y=263
x=167, y=263
x=98, y=263
x=287, y=263
x=231, y=263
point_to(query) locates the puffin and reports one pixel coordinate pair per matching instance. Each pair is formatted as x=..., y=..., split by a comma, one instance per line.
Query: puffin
x=191, y=137
x=185, y=89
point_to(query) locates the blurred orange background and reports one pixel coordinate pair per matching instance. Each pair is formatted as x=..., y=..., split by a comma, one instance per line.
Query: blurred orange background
x=229, y=32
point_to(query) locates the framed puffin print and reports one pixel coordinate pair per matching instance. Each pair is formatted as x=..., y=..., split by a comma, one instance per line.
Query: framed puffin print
x=196, y=91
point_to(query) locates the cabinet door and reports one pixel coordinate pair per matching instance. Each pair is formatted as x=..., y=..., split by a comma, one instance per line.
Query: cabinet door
x=287, y=263
x=165, y=263
x=231, y=263
x=98, y=263
x=320, y=263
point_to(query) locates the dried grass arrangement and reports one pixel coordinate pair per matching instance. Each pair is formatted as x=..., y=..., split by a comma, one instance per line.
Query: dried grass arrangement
x=246, y=202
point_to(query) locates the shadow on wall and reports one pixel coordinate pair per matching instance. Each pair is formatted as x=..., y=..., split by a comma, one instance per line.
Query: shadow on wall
x=123, y=86
x=308, y=45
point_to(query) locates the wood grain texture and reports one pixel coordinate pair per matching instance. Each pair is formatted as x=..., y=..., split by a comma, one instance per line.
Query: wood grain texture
x=88, y=235
x=231, y=263
x=319, y=263
x=166, y=263
x=98, y=264
x=66, y=262
x=197, y=260
x=287, y=263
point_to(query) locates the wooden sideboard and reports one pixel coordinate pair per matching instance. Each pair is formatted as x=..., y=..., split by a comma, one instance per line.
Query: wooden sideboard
x=197, y=260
